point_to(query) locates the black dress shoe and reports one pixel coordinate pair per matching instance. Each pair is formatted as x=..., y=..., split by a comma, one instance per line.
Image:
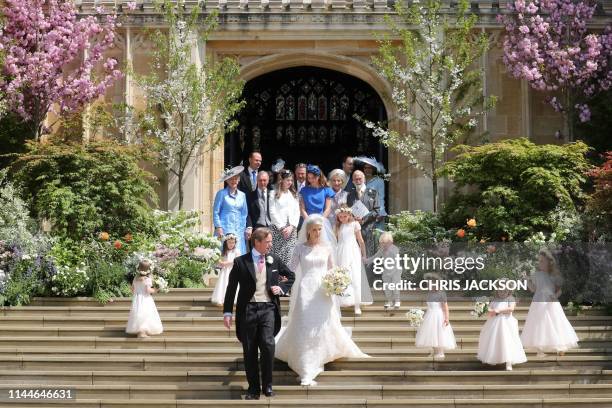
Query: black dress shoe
x=268, y=391
x=252, y=397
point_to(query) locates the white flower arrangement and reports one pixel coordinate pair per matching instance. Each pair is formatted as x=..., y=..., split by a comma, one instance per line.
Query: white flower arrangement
x=481, y=307
x=269, y=259
x=160, y=284
x=415, y=317
x=336, y=281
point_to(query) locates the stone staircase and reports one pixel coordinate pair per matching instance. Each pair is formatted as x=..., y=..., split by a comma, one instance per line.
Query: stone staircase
x=80, y=345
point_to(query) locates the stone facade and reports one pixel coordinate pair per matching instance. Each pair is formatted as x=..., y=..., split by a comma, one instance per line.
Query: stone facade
x=335, y=34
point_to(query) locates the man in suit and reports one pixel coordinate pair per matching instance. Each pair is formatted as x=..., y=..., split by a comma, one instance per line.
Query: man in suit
x=248, y=178
x=262, y=279
x=258, y=202
x=347, y=167
x=299, y=180
x=369, y=198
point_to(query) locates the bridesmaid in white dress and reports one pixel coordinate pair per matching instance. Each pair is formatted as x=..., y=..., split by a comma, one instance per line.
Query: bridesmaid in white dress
x=314, y=334
x=143, y=319
x=350, y=254
x=229, y=252
x=435, y=331
x=499, y=340
x=546, y=327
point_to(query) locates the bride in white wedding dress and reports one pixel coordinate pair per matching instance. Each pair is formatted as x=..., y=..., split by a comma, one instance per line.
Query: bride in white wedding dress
x=314, y=334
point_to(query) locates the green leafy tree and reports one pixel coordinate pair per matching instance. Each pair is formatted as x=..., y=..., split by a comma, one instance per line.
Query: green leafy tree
x=516, y=189
x=189, y=107
x=436, y=84
x=86, y=188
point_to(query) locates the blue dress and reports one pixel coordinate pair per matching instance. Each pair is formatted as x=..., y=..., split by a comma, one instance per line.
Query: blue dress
x=230, y=213
x=314, y=198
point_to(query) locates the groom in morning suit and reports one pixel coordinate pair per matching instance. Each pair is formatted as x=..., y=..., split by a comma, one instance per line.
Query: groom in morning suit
x=258, y=317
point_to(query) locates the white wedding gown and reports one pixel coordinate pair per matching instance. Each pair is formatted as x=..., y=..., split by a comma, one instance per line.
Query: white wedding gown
x=314, y=334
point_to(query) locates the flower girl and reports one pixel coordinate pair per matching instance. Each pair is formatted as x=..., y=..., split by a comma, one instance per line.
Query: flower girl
x=499, y=340
x=349, y=254
x=386, y=249
x=143, y=319
x=546, y=327
x=229, y=252
x=435, y=331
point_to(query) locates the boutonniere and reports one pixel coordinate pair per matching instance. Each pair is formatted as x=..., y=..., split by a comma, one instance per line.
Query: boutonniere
x=269, y=259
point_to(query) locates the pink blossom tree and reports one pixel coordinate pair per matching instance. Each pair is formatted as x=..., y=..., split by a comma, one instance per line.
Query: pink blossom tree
x=42, y=40
x=548, y=44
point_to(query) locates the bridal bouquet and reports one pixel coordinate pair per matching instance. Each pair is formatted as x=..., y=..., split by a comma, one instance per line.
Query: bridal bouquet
x=336, y=281
x=481, y=307
x=415, y=317
x=160, y=284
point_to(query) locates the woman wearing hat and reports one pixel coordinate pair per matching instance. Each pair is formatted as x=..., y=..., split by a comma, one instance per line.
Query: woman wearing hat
x=230, y=209
x=373, y=169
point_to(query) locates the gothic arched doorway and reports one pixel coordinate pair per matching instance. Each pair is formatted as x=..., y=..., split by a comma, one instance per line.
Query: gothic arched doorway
x=305, y=114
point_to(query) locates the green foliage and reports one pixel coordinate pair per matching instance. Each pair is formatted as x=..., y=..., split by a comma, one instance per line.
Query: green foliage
x=185, y=273
x=84, y=188
x=108, y=281
x=416, y=227
x=436, y=83
x=16, y=226
x=189, y=105
x=515, y=188
x=599, y=205
x=13, y=136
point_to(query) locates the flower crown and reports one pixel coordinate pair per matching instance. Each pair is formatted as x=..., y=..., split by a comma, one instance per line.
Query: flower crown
x=314, y=169
x=347, y=210
x=229, y=235
x=148, y=271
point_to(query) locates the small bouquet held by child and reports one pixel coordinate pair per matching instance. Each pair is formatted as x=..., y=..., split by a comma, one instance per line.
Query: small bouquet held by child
x=336, y=281
x=415, y=317
x=481, y=307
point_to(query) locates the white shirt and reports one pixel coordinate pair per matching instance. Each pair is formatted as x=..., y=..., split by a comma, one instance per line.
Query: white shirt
x=284, y=208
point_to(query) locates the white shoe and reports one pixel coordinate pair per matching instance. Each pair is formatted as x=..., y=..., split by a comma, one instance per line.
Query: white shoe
x=508, y=367
x=440, y=355
x=387, y=305
x=358, y=312
x=309, y=383
x=397, y=305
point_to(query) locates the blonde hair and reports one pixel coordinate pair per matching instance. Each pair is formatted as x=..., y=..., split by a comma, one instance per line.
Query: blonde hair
x=553, y=267
x=385, y=237
x=346, y=210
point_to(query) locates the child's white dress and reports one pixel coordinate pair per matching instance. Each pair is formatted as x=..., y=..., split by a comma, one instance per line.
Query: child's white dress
x=433, y=333
x=218, y=295
x=546, y=327
x=499, y=340
x=348, y=255
x=143, y=315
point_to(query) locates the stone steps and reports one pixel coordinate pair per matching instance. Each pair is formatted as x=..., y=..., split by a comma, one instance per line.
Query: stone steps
x=377, y=363
x=208, y=392
x=101, y=319
x=227, y=377
x=173, y=342
x=217, y=330
x=81, y=345
x=236, y=352
x=344, y=403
